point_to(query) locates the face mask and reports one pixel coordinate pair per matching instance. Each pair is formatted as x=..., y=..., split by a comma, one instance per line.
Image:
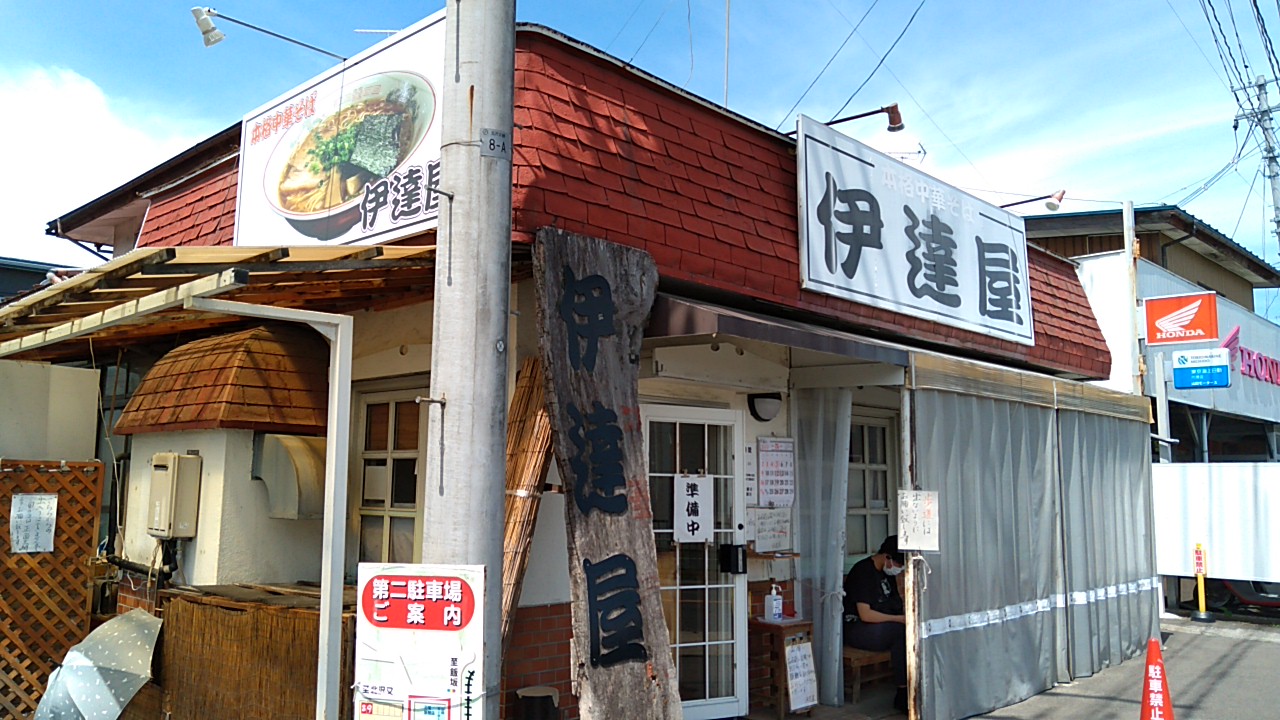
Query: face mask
x=894, y=571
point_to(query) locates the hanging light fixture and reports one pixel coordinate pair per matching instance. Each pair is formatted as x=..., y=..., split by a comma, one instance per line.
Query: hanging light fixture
x=764, y=406
x=1052, y=201
x=212, y=36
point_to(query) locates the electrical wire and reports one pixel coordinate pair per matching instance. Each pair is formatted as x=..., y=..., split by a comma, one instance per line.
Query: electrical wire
x=831, y=59
x=1196, y=42
x=1227, y=58
x=634, y=10
x=651, y=29
x=688, y=18
x=919, y=106
x=1247, y=197
x=1268, y=49
x=884, y=57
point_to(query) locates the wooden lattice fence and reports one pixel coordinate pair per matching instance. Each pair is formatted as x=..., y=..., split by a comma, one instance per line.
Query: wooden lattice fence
x=45, y=598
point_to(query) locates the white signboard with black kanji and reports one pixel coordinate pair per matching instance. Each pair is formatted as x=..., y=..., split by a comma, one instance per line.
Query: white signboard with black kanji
x=879, y=232
x=32, y=520
x=695, y=497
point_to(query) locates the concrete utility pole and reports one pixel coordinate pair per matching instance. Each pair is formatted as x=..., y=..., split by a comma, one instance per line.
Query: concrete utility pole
x=465, y=479
x=1269, y=151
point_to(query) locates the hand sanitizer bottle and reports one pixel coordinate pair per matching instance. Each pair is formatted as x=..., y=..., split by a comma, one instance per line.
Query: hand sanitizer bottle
x=773, y=604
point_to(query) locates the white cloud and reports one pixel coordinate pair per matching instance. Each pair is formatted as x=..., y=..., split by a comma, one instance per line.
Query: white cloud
x=68, y=143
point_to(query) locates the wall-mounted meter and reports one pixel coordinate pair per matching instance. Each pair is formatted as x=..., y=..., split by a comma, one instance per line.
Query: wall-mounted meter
x=175, y=495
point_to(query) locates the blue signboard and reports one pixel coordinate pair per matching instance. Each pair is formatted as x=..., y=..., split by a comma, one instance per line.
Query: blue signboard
x=1202, y=369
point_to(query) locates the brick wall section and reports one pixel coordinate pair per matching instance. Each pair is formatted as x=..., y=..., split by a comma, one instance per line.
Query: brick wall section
x=200, y=212
x=539, y=655
x=135, y=591
x=608, y=153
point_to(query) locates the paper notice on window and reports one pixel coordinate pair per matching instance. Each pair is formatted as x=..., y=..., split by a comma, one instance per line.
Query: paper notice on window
x=32, y=520
x=695, y=503
x=777, y=472
x=772, y=529
x=918, y=520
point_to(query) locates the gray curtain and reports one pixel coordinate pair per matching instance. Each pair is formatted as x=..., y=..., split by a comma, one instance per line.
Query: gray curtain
x=822, y=472
x=1107, y=518
x=992, y=621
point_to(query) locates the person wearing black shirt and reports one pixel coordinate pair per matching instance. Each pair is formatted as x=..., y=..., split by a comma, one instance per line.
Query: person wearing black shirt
x=873, y=613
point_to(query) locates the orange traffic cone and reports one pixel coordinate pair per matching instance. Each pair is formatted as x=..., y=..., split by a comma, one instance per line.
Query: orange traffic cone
x=1157, y=701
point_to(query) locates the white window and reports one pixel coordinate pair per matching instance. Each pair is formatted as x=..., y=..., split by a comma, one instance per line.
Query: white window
x=873, y=487
x=387, y=492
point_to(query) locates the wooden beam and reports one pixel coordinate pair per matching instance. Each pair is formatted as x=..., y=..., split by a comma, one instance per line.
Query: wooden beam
x=128, y=312
x=120, y=267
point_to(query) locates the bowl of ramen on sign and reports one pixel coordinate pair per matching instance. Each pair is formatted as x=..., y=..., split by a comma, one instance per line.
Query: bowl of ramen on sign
x=315, y=178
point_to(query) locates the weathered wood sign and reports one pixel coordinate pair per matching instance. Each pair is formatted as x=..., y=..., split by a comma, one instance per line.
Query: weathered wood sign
x=593, y=300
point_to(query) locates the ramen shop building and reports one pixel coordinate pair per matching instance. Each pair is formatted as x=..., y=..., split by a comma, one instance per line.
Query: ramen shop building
x=806, y=402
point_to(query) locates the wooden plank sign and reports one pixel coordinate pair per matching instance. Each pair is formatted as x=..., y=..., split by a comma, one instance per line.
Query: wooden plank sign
x=593, y=300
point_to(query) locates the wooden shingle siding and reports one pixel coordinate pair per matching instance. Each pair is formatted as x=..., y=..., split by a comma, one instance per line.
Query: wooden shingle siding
x=273, y=379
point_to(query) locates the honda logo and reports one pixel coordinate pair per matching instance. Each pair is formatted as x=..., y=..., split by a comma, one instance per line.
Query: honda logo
x=1185, y=318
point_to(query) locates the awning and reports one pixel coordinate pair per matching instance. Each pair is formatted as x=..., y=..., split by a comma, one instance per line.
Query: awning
x=678, y=319
x=141, y=297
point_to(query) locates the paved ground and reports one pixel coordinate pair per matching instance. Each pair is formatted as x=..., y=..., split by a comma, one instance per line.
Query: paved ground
x=1222, y=671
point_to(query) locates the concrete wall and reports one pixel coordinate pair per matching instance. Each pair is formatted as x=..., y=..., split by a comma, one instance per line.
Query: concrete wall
x=47, y=412
x=1106, y=283
x=235, y=540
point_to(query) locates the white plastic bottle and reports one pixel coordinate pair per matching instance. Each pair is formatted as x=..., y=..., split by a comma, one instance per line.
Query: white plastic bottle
x=773, y=604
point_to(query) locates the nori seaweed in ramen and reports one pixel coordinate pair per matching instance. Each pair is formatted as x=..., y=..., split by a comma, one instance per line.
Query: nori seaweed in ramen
x=356, y=145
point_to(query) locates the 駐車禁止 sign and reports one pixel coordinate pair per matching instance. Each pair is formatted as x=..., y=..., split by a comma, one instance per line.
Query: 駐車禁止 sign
x=878, y=232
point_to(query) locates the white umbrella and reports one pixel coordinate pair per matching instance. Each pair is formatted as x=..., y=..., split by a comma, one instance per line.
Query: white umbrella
x=101, y=674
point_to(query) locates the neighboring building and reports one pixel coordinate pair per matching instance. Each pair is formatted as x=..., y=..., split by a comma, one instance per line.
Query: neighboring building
x=1223, y=490
x=876, y=400
x=18, y=276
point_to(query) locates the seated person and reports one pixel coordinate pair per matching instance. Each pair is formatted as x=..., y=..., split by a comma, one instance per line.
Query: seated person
x=873, y=611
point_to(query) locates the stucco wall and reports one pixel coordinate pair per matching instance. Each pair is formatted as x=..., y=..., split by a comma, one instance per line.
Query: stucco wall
x=235, y=540
x=47, y=412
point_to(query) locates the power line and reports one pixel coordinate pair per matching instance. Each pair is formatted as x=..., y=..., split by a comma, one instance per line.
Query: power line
x=830, y=60
x=884, y=57
x=1247, y=197
x=634, y=10
x=1196, y=42
x=650, y=33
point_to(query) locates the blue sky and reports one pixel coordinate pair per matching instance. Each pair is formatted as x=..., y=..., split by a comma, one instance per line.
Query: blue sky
x=1109, y=101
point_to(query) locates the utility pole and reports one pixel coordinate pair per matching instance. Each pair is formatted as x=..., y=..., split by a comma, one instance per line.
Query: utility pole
x=1269, y=151
x=465, y=478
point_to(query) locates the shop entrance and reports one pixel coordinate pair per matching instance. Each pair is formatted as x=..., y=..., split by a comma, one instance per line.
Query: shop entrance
x=705, y=608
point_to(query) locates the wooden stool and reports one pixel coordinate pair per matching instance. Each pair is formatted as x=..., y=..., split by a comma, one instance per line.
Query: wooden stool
x=878, y=667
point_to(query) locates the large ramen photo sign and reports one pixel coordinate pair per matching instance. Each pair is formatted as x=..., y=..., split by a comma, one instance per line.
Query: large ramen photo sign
x=350, y=156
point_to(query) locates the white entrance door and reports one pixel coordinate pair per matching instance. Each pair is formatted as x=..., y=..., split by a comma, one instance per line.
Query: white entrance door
x=706, y=609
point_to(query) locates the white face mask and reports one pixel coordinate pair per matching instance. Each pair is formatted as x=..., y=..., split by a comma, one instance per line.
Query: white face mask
x=894, y=571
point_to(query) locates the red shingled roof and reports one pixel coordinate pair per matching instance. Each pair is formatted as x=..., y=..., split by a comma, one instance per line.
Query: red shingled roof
x=603, y=151
x=200, y=212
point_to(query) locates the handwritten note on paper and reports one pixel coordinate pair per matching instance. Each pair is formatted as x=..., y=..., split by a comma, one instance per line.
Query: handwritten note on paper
x=802, y=681
x=777, y=471
x=918, y=520
x=772, y=528
x=32, y=520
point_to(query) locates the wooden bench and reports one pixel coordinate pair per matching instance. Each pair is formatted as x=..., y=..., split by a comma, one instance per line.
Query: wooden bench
x=862, y=666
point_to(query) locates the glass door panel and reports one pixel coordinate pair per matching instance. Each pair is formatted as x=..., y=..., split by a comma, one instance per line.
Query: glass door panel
x=705, y=608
